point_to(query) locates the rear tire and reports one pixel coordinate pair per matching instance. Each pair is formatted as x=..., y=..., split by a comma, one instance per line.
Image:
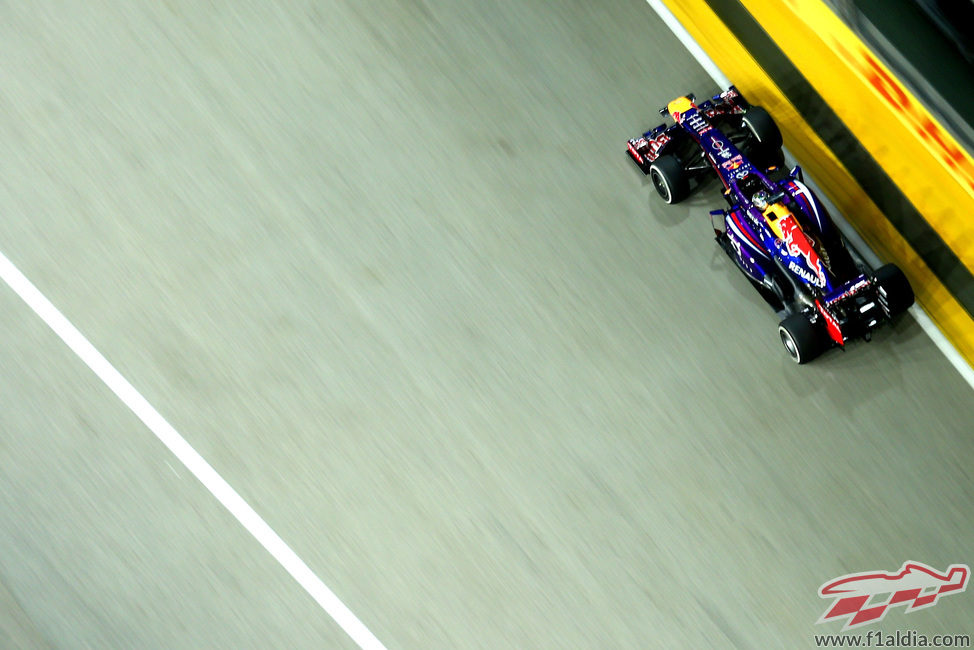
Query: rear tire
x=895, y=292
x=670, y=179
x=803, y=340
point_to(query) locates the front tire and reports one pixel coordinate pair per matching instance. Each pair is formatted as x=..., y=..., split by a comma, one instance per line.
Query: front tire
x=803, y=340
x=895, y=292
x=765, y=135
x=670, y=179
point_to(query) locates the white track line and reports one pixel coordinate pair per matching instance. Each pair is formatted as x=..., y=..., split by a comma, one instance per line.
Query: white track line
x=921, y=317
x=692, y=46
x=188, y=456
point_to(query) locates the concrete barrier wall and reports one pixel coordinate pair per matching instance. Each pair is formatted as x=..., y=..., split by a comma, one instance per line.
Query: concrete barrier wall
x=897, y=176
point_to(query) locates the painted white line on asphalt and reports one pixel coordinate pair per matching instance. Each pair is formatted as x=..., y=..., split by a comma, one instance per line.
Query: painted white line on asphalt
x=692, y=46
x=921, y=317
x=188, y=456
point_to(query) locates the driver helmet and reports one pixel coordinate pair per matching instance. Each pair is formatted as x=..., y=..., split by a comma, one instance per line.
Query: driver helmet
x=760, y=200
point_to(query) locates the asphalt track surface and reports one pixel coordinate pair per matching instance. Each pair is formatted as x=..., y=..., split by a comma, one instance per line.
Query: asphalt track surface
x=388, y=269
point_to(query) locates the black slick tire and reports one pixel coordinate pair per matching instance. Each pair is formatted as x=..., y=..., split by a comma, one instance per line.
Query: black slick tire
x=670, y=178
x=894, y=290
x=765, y=135
x=803, y=340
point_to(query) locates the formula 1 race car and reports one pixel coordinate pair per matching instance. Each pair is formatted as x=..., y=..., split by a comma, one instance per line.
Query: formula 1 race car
x=775, y=229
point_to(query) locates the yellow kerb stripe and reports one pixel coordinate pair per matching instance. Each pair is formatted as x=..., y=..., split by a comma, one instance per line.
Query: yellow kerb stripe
x=920, y=156
x=822, y=165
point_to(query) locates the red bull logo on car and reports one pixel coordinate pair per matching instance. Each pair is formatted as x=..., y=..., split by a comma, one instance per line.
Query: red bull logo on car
x=864, y=598
x=798, y=246
x=818, y=278
x=733, y=163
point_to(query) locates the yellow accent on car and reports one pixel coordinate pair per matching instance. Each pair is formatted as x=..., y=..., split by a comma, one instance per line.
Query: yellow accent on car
x=679, y=105
x=773, y=214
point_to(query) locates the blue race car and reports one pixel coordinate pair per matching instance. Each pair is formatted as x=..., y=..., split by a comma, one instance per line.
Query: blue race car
x=775, y=229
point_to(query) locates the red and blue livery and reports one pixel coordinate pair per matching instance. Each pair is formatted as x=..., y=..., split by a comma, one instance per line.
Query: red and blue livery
x=774, y=228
